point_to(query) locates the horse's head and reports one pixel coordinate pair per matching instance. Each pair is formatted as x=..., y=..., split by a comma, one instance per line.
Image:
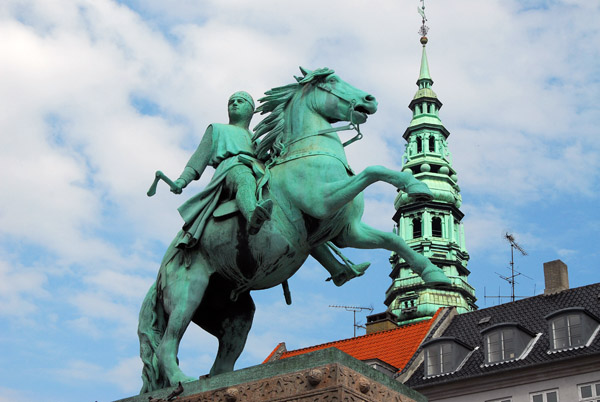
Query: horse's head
x=335, y=99
x=292, y=109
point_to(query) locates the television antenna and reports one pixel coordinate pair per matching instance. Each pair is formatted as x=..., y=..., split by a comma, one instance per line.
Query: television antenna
x=354, y=309
x=513, y=246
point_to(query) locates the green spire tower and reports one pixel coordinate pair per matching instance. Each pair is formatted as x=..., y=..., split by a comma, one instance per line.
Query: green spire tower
x=434, y=227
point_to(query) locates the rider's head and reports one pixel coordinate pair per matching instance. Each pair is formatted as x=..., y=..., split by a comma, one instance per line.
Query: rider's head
x=240, y=108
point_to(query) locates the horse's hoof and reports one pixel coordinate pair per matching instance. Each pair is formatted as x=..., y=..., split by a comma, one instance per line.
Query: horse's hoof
x=434, y=276
x=419, y=190
x=261, y=214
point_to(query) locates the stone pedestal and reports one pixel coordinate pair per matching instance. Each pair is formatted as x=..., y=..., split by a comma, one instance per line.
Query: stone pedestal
x=323, y=376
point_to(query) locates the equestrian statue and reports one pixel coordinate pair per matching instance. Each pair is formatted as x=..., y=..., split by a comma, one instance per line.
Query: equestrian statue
x=276, y=197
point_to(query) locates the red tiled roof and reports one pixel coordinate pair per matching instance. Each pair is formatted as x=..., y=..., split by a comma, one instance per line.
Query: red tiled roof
x=395, y=346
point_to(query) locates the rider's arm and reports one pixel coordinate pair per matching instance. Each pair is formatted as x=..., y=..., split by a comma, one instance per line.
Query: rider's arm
x=197, y=163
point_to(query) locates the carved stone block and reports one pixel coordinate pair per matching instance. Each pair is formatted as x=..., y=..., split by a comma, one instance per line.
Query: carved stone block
x=323, y=376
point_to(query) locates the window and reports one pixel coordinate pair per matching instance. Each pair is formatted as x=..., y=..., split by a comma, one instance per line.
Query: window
x=432, y=144
x=439, y=359
x=436, y=227
x=506, y=341
x=589, y=392
x=571, y=327
x=566, y=331
x=545, y=396
x=417, y=228
x=505, y=399
x=444, y=355
x=500, y=345
x=419, y=145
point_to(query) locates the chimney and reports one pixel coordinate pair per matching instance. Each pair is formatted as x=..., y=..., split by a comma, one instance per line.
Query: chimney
x=556, y=276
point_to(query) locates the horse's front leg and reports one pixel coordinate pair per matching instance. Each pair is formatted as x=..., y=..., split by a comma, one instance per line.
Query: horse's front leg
x=360, y=235
x=334, y=195
x=181, y=298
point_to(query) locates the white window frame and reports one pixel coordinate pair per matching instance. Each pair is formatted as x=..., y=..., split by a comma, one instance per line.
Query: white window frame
x=505, y=399
x=544, y=395
x=439, y=356
x=569, y=331
x=502, y=345
x=595, y=392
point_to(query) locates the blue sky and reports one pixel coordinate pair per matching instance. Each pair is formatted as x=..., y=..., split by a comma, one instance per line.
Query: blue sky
x=97, y=95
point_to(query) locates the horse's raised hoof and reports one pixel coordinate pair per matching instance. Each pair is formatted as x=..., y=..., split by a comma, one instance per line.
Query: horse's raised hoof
x=261, y=214
x=353, y=271
x=419, y=190
x=434, y=276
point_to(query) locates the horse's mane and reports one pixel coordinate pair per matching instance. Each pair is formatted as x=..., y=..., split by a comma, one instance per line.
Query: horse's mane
x=271, y=128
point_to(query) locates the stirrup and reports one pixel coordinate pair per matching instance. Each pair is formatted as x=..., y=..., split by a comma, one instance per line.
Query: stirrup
x=261, y=214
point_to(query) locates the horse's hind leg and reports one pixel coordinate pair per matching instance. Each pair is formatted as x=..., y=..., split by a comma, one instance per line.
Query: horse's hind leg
x=360, y=235
x=229, y=321
x=181, y=298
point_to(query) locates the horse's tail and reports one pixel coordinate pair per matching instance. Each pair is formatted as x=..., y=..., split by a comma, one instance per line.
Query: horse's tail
x=151, y=328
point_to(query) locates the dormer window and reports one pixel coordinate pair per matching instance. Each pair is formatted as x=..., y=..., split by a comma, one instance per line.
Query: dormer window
x=506, y=341
x=444, y=356
x=571, y=328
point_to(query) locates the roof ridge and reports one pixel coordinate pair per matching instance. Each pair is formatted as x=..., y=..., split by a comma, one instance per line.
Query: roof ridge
x=541, y=295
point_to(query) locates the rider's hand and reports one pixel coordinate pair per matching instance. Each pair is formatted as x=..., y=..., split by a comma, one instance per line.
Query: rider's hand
x=179, y=186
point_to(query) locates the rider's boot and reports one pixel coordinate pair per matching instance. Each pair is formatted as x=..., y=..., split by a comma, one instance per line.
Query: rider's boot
x=261, y=214
x=351, y=271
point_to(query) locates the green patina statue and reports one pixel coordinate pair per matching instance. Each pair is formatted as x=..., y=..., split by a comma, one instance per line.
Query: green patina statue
x=306, y=200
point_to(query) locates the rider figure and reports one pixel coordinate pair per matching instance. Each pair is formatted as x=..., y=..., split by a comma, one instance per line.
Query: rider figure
x=223, y=146
x=229, y=148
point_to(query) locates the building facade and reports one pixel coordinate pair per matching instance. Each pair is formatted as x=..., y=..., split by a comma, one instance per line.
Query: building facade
x=544, y=348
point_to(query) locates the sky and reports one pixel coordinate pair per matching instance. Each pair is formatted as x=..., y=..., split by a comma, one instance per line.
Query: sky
x=96, y=95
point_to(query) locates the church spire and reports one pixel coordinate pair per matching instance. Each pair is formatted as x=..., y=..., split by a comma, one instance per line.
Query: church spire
x=432, y=228
x=424, y=80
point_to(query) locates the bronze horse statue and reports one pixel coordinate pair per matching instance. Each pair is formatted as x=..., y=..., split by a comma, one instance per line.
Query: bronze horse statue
x=316, y=199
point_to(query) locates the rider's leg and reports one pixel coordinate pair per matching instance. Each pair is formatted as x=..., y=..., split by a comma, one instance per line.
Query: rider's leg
x=340, y=273
x=334, y=195
x=241, y=180
x=181, y=299
x=360, y=235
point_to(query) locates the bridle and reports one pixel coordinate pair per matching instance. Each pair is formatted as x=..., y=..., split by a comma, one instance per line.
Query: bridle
x=351, y=125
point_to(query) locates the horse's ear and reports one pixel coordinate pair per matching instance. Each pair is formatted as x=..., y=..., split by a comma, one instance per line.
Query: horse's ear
x=305, y=71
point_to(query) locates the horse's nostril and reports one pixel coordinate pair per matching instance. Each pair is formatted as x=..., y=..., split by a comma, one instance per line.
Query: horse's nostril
x=370, y=98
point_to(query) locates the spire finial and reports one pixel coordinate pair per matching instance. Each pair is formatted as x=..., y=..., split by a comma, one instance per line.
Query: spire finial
x=424, y=28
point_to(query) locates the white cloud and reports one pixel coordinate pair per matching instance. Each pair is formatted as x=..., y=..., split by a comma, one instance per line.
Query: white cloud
x=21, y=289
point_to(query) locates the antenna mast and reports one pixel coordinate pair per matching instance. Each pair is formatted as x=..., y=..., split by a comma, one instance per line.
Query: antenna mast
x=354, y=309
x=513, y=246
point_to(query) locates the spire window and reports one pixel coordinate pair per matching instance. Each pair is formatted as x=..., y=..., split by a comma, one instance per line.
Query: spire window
x=417, y=228
x=436, y=227
x=419, y=145
x=432, y=144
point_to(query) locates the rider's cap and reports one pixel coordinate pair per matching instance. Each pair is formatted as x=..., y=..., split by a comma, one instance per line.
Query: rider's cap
x=245, y=96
